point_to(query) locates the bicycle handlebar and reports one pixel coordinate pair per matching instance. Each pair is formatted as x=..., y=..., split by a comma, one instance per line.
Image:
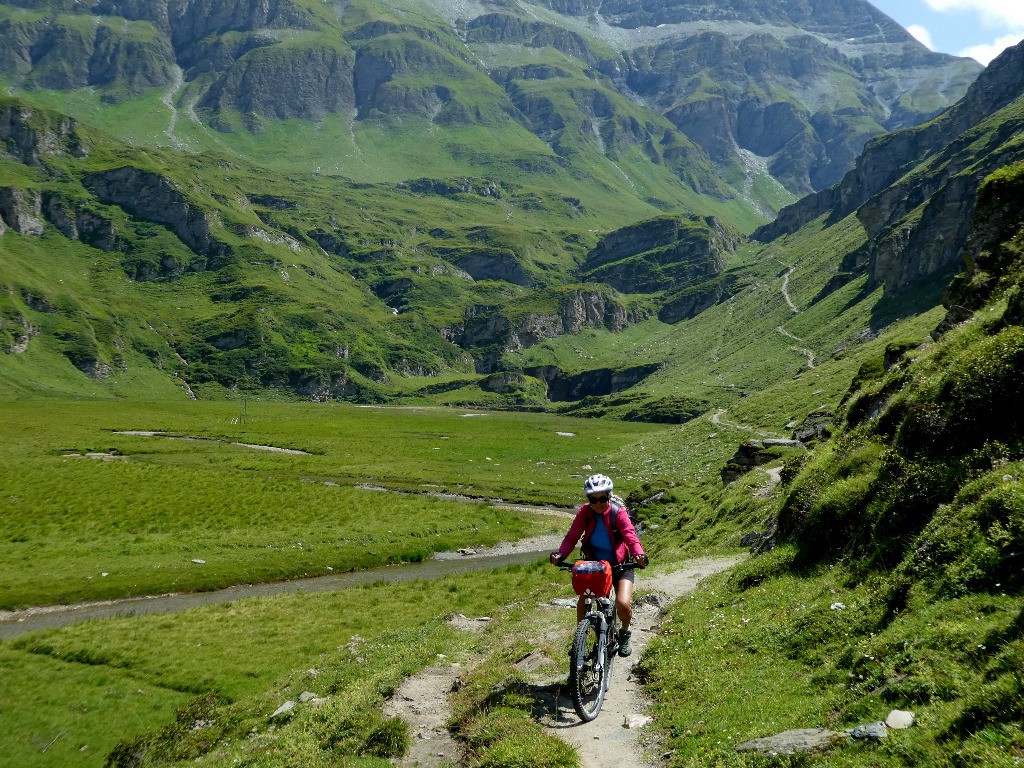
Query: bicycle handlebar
x=563, y=565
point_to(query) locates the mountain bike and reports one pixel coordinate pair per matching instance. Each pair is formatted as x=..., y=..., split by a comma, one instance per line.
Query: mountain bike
x=594, y=646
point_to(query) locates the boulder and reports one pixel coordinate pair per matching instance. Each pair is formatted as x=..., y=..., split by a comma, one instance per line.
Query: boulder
x=870, y=731
x=754, y=453
x=899, y=719
x=799, y=740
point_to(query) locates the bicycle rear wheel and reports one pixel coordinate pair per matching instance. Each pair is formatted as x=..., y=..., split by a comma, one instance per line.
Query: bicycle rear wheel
x=587, y=671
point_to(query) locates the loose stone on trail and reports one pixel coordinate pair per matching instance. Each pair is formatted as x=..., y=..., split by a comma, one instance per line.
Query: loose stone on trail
x=632, y=722
x=563, y=602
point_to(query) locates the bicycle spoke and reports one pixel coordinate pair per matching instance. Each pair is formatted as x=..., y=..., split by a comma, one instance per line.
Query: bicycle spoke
x=587, y=672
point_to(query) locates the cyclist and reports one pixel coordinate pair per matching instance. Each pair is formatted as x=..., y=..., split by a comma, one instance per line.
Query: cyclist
x=611, y=537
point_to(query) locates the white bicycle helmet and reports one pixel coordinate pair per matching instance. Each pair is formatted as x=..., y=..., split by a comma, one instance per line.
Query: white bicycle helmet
x=597, y=484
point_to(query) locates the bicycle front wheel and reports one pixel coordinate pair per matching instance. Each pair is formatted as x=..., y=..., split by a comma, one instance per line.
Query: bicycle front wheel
x=587, y=671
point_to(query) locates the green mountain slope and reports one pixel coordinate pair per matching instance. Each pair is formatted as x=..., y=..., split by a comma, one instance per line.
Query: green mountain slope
x=209, y=273
x=759, y=105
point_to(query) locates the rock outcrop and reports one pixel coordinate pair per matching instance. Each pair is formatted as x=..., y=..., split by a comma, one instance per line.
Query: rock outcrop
x=77, y=223
x=60, y=53
x=29, y=135
x=990, y=251
x=489, y=333
x=681, y=256
x=916, y=213
x=305, y=83
x=598, y=382
x=21, y=210
x=151, y=197
x=754, y=453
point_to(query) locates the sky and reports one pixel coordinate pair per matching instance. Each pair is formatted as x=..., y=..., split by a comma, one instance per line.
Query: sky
x=980, y=29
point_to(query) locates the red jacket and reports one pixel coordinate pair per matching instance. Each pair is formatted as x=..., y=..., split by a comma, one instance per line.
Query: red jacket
x=622, y=533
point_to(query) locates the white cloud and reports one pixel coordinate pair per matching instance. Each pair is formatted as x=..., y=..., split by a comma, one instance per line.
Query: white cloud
x=922, y=35
x=997, y=13
x=988, y=51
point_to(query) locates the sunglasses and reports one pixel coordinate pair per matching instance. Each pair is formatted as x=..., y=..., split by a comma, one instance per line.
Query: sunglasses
x=598, y=499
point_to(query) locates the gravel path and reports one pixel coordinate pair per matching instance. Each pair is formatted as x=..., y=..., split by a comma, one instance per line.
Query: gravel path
x=607, y=742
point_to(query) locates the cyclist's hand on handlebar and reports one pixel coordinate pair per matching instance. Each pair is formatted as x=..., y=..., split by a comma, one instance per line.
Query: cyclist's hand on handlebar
x=641, y=560
x=556, y=558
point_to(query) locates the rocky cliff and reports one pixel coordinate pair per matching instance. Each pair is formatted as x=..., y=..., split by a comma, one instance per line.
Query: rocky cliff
x=29, y=135
x=914, y=190
x=151, y=197
x=489, y=333
x=991, y=254
x=682, y=257
x=748, y=87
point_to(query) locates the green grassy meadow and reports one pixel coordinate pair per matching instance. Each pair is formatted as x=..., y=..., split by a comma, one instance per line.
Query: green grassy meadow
x=131, y=518
x=96, y=514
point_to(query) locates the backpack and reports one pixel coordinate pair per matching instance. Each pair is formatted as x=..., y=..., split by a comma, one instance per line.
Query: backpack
x=617, y=504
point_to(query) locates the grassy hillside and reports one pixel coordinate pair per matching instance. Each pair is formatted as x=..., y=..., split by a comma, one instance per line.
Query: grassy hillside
x=894, y=581
x=315, y=286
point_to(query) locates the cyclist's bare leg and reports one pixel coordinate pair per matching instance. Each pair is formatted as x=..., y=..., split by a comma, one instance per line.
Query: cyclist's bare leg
x=581, y=609
x=624, y=602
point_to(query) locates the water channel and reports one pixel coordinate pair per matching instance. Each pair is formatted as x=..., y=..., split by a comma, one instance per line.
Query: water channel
x=15, y=623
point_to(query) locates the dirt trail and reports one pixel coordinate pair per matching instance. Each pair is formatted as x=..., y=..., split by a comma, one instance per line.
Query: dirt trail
x=422, y=701
x=607, y=742
x=718, y=421
x=785, y=289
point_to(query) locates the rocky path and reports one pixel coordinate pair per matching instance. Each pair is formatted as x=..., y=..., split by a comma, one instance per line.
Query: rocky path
x=801, y=350
x=613, y=740
x=785, y=289
x=616, y=738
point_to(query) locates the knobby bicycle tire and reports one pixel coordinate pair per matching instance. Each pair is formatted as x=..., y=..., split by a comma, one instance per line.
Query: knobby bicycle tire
x=587, y=671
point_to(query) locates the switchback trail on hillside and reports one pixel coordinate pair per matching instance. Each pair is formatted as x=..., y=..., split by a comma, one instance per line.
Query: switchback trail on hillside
x=613, y=740
x=718, y=421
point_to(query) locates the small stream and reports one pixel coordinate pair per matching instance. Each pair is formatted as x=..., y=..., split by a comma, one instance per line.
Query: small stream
x=16, y=623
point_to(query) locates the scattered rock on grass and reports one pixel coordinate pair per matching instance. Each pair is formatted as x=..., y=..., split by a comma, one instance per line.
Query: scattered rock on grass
x=533, y=661
x=563, y=602
x=899, y=719
x=288, y=706
x=870, y=731
x=799, y=740
x=632, y=722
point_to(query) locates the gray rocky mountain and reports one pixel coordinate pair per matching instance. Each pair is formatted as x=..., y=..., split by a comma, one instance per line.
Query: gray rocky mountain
x=790, y=90
x=914, y=190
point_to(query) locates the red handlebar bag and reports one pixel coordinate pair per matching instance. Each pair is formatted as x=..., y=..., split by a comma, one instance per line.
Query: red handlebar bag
x=592, y=578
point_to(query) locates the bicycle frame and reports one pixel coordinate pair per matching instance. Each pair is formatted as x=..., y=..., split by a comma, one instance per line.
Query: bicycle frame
x=604, y=619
